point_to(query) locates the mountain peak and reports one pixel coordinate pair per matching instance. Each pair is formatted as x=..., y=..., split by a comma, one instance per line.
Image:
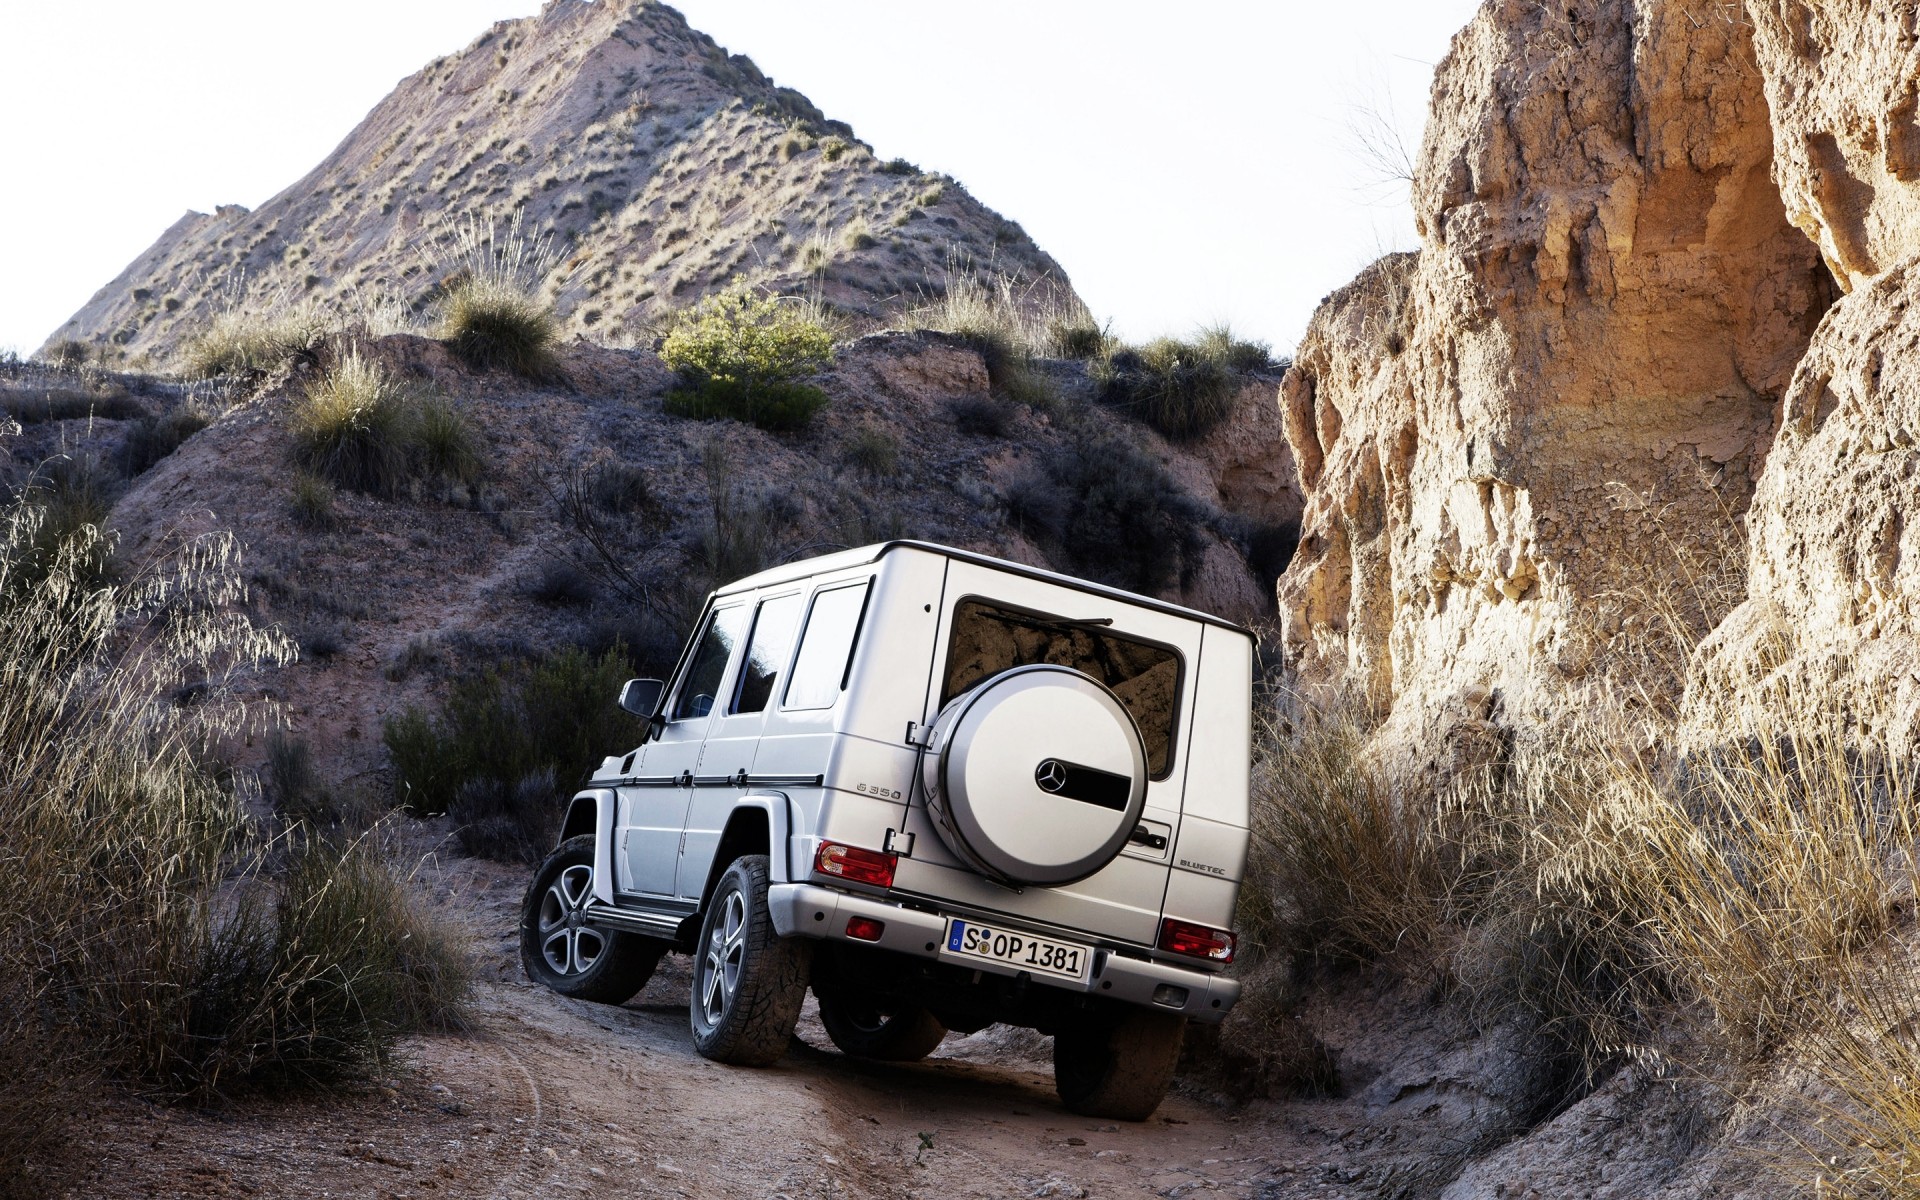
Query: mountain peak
x=661, y=166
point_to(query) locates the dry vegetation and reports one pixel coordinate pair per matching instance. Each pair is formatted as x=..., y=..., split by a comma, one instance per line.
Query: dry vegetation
x=1712, y=911
x=146, y=938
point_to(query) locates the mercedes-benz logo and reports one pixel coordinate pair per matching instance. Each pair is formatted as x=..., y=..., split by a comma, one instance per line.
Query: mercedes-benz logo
x=1050, y=775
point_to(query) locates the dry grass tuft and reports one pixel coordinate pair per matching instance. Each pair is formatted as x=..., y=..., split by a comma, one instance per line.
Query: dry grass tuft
x=363, y=429
x=253, y=338
x=493, y=316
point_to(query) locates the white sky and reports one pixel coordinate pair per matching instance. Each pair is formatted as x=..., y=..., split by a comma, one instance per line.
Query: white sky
x=1186, y=163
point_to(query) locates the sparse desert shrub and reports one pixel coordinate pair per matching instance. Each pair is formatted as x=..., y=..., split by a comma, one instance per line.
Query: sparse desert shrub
x=311, y=501
x=69, y=353
x=354, y=425
x=561, y=584
x=254, y=337
x=981, y=416
x=496, y=728
x=363, y=429
x=150, y=439
x=492, y=316
x=617, y=487
x=444, y=443
x=1115, y=512
x=898, y=166
x=100, y=402
x=874, y=450
x=68, y=498
x=1076, y=336
x=1341, y=866
x=140, y=944
x=742, y=356
x=1182, y=389
x=1236, y=354
x=831, y=148
x=856, y=236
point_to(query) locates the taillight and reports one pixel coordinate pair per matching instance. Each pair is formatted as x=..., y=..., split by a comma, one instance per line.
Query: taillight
x=1196, y=941
x=855, y=865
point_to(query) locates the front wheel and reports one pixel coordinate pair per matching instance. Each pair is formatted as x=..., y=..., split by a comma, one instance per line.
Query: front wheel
x=558, y=947
x=884, y=1032
x=748, y=981
x=1119, y=1067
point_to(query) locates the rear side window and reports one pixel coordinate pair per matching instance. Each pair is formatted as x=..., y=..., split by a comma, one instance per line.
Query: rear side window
x=988, y=639
x=767, y=652
x=826, y=648
x=709, y=663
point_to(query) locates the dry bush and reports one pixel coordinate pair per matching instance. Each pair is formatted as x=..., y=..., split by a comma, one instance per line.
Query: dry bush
x=363, y=429
x=254, y=337
x=136, y=944
x=1009, y=323
x=1183, y=389
x=492, y=314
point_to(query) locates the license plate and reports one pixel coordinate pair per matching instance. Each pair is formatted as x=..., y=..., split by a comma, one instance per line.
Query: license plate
x=1042, y=956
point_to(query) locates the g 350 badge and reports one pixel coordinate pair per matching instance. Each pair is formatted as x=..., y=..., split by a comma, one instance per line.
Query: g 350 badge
x=877, y=790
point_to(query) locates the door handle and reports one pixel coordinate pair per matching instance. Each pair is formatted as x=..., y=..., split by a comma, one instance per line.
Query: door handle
x=1148, y=838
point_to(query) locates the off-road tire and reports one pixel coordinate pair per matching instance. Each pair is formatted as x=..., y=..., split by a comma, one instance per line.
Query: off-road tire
x=1120, y=1066
x=863, y=1029
x=561, y=890
x=750, y=1023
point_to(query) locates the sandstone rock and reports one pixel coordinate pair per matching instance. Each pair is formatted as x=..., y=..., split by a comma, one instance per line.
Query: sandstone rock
x=1570, y=383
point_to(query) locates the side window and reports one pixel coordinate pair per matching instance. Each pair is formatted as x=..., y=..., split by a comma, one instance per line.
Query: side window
x=709, y=664
x=826, y=648
x=767, y=652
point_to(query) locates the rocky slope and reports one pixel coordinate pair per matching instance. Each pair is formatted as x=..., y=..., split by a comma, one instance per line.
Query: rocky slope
x=660, y=166
x=392, y=597
x=1569, y=391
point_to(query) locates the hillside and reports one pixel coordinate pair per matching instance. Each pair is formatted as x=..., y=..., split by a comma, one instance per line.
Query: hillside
x=660, y=167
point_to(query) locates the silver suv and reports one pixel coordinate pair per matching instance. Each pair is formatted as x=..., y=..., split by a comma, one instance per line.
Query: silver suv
x=943, y=791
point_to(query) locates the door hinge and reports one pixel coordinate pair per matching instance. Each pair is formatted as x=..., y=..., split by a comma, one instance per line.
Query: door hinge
x=919, y=735
x=898, y=842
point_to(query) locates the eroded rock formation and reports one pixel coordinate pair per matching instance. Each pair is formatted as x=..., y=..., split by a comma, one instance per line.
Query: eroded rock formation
x=1570, y=388
x=1832, y=579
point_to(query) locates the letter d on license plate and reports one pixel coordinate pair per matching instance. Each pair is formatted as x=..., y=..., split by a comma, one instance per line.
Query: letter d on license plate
x=1017, y=950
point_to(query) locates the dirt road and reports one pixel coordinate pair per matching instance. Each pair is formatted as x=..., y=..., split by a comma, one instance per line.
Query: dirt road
x=558, y=1098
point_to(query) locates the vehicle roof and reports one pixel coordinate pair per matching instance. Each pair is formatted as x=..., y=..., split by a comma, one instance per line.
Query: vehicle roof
x=808, y=567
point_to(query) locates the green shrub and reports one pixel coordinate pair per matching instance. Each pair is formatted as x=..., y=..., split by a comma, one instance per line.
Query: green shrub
x=898, y=166
x=741, y=356
x=95, y=402
x=365, y=430
x=1115, y=512
x=832, y=148
x=1182, y=389
x=496, y=729
x=1077, y=337
x=1217, y=342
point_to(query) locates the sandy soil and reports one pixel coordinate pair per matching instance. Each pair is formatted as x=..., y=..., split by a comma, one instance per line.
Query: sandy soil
x=553, y=1097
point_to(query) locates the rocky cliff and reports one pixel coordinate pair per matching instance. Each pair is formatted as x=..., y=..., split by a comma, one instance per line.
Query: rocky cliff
x=1522, y=444
x=660, y=166
x=1832, y=584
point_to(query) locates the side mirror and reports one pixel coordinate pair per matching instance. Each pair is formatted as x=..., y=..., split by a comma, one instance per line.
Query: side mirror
x=641, y=697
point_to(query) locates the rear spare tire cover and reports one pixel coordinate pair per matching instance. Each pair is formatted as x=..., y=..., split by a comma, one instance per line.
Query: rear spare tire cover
x=1037, y=776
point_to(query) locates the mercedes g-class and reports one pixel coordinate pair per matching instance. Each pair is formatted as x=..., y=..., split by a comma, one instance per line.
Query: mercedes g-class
x=941, y=790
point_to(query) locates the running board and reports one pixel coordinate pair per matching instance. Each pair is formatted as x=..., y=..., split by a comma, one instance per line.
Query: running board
x=654, y=925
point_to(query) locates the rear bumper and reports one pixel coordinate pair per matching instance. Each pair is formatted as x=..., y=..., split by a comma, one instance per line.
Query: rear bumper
x=808, y=910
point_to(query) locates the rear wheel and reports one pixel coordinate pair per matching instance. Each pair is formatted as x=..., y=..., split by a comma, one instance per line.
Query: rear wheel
x=883, y=1031
x=560, y=949
x=1120, y=1066
x=748, y=981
